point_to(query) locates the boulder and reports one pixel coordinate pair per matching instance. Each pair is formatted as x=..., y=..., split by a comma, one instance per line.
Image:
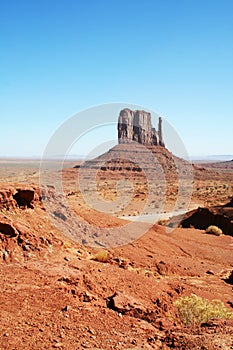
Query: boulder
x=125, y=304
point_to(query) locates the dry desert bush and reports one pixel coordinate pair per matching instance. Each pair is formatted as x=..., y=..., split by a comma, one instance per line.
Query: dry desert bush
x=101, y=256
x=194, y=310
x=214, y=230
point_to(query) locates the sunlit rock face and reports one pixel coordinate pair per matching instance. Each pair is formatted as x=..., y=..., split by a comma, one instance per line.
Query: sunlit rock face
x=136, y=126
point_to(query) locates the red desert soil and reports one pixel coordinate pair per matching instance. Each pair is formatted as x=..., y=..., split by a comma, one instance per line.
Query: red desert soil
x=54, y=295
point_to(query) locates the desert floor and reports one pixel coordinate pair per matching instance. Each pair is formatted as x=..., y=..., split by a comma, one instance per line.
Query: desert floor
x=56, y=293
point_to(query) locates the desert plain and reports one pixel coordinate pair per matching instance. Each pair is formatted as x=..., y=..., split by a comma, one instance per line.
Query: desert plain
x=63, y=292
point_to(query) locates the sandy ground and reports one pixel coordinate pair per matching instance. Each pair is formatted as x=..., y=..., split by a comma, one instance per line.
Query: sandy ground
x=54, y=295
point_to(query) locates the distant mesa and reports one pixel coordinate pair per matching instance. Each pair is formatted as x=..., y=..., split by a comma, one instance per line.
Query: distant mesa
x=132, y=178
x=140, y=148
x=136, y=126
x=134, y=131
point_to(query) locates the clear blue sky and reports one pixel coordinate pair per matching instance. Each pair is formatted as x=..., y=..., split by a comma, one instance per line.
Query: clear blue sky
x=58, y=57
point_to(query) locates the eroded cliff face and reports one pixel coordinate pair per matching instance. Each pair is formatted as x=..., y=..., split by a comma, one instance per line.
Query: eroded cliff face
x=136, y=126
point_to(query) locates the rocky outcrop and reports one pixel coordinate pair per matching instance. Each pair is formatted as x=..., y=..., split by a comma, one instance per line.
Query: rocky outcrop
x=6, y=198
x=124, y=304
x=24, y=198
x=18, y=241
x=12, y=197
x=201, y=218
x=7, y=228
x=136, y=126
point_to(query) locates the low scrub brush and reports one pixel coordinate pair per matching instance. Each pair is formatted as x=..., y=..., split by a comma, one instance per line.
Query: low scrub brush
x=214, y=230
x=194, y=310
x=101, y=256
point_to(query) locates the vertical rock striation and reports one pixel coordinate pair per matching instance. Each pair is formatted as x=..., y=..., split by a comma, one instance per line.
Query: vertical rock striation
x=136, y=126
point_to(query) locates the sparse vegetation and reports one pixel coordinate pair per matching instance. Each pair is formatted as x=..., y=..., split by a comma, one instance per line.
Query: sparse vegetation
x=194, y=310
x=163, y=222
x=214, y=230
x=101, y=256
x=67, y=245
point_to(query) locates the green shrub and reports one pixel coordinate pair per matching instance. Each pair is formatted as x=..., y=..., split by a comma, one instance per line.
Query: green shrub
x=214, y=230
x=193, y=310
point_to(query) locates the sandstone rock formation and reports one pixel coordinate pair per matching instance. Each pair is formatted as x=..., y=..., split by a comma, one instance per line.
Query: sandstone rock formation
x=12, y=197
x=201, y=218
x=136, y=126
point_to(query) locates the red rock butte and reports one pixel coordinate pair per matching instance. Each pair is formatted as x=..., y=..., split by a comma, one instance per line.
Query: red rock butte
x=136, y=126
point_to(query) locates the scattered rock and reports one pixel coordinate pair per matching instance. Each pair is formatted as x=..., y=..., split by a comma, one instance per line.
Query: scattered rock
x=229, y=280
x=162, y=304
x=57, y=345
x=218, y=323
x=66, y=308
x=162, y=268
x=88, y=297
x=60, y=215
x=163, y=323
x=123, y=303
